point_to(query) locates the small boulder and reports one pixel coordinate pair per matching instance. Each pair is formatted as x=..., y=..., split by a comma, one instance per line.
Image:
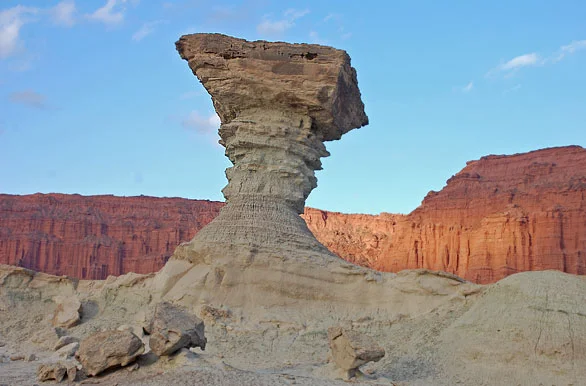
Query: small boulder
x=67, y=311
x=67, y=351
x=107, y=349
x=173, y=328
x=64, y=341
x=351, y=349
x=52, y=371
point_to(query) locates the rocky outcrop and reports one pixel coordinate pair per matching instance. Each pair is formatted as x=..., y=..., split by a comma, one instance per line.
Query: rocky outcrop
x=351, y=349
x=173, y=328
x=498, y=216
x=67, y=312
x=278, y=103
x=96, y=236
x=107, y=349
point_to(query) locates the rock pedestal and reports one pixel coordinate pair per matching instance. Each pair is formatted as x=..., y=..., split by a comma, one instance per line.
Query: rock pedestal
x=278, y=103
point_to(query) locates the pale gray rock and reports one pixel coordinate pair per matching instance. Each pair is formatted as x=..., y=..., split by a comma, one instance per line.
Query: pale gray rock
x=67, y=311
x=351, y=349
x=64, y=341
x=67, y=351
x=173, y=328
x=107, y=349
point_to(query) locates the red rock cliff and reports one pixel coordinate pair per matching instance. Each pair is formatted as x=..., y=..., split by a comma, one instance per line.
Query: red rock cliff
x=498, y=216
x=96, y=236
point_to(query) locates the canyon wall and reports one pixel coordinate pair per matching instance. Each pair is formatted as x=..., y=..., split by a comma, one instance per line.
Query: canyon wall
x=498, y=216
x=91, y=237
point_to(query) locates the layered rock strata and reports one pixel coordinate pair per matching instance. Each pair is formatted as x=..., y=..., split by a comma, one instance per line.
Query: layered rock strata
x=498, y=216
x=101, y=235
x=91, y=237
x=278, y=103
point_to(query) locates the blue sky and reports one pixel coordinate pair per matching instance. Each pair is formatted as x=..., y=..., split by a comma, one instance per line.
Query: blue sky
x=94, y=99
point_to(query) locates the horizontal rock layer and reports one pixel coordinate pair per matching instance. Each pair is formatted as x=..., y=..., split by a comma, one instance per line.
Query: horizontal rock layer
x=499, y=215
x=96, y=236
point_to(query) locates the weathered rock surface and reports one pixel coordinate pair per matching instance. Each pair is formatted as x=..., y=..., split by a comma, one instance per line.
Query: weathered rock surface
x=173, y=328
x=352, y=349
x=67, y=351
x=53, y=371
x=96, y=236
x=67, y=312
x=64, y=341
x=498, y=216
x=278, y=103
x=107, y=349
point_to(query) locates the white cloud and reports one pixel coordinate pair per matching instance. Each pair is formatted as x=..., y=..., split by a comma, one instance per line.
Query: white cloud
x=568, y=49
x=111, y=13
x=201, y=124
x=331, y=16
x=11, y=21
x=272, y=28
x=29, y=98
x=64, y=13
x=146, y=29
x=278, y=27
x=203, y=127
x=294, y=14
x=510, y=67
x=468, y=87
x=574, y=46
x=520, y=61
x=314, y=38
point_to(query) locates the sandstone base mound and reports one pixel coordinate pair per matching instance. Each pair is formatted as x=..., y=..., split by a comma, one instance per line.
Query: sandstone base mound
x=435, y=328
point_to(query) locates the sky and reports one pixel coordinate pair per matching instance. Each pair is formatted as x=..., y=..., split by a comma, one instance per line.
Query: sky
x=94, y=98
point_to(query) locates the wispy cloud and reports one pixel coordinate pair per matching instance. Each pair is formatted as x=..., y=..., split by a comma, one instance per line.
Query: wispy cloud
x=29, y=98
x=520, y=61
x=111, y=13
x=533, y=59
x=468, y=87
x=11, y=21
x=274, y=28
x=145, y=30
x=201, y=124
x=64, y=13
x=331, y=16
x=515, y=88
x=568, y=49
x=315, y=38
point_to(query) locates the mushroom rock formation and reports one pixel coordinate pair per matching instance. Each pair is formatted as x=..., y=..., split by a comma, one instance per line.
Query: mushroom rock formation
x=278, y=103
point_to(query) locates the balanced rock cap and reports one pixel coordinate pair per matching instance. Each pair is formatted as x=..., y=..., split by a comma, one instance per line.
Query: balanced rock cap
x=309, y=79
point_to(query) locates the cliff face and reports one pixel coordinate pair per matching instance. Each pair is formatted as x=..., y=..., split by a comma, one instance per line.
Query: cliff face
x=93, y=237
x=498, y=216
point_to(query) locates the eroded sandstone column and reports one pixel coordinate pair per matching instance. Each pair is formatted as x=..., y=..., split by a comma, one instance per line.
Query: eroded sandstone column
x=278, y=103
